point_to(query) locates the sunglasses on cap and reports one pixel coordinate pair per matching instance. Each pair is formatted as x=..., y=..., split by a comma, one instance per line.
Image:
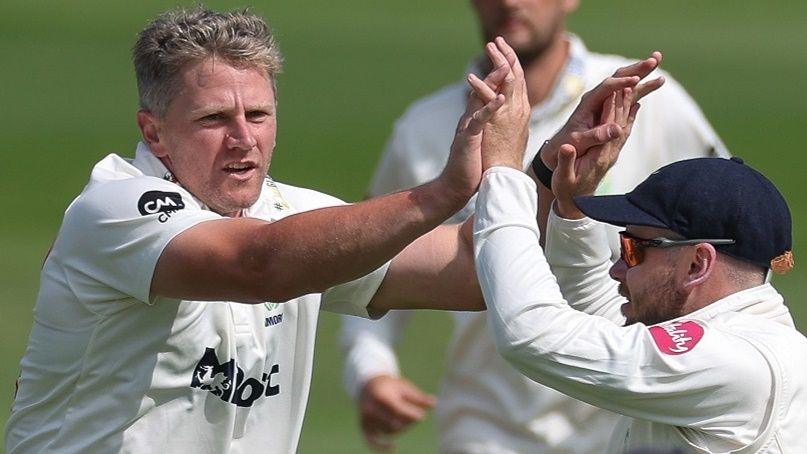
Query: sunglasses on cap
x=632, y=248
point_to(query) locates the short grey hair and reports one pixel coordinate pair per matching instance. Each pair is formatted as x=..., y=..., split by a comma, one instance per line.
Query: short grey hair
x=179, y=37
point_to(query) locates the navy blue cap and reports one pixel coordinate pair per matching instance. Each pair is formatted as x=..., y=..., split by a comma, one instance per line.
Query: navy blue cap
x=709, y=198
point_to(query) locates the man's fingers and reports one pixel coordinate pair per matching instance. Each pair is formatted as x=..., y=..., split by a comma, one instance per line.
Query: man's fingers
x=410, y=405
x=419, y=398
x=621, y=106
x=510, y=55
x=597, y=96
x=404, y=414
x=501, y=67
x=634, y=109
x=480, y=89
x=483, y=115
x=596, y=136
x=383, y=418
x=566, y=159
x=496, y=76
x=607, y=114
x=646, y=88
x=641, y=68
x=497, y=57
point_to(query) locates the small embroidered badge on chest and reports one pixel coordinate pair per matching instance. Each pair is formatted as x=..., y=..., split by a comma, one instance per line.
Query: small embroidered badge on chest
x=676, y=338
x=278, y=201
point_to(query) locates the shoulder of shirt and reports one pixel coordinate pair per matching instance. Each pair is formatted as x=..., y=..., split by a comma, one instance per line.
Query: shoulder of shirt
x=777, y=336
x=730, y=344
x=114, y=181
x=303, y=199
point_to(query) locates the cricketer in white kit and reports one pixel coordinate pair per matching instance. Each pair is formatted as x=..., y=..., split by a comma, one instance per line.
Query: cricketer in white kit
x=683, y=335
x=177, y=307
x=726, y=378
x=108, y=367
x=484, y=405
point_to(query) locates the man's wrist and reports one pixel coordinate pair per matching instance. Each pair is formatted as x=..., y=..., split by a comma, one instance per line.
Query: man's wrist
x=440, y=198
x=504, y=163
x=542, y=172
x=567, y=209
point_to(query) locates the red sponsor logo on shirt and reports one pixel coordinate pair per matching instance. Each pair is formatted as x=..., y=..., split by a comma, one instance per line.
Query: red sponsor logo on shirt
x=675, y=338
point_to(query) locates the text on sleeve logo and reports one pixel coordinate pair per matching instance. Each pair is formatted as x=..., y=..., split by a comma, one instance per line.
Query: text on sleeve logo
x=676, y=338
x=164, y=203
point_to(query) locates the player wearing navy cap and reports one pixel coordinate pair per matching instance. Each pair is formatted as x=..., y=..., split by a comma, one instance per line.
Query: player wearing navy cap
x=494, y=409
x=688, y=340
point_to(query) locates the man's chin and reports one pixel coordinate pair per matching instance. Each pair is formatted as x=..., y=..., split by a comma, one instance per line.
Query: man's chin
x=234, y=206
x=626, y=311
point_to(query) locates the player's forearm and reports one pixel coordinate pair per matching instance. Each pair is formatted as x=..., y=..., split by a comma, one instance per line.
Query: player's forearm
x=532, y=326
x=312, y=251
x=545, y=199
x=579, y=255
x=514, y=276
x=436, y=271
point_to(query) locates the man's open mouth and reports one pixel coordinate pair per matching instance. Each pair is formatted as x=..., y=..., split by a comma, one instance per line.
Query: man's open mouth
x=239, y=168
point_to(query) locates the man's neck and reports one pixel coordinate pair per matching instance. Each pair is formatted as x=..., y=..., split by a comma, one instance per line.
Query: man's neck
x=542, y=72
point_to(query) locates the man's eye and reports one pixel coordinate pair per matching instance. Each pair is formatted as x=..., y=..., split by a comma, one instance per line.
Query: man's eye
x=212, y=117
x=257, y=116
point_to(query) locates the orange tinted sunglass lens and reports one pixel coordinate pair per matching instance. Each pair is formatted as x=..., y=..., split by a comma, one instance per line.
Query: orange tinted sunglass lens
x=631, y=253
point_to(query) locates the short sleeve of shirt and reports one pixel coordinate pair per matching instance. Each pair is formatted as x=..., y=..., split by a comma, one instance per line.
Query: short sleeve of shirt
x=115, y=231
x=352, y=298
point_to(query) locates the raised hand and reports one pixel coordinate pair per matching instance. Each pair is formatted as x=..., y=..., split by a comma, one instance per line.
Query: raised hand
x=463, y=170
x=594, y=123
x=388, y=405
x=505, y=135
x=590, y=141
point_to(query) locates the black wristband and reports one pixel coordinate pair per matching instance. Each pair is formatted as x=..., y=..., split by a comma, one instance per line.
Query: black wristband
x=542, y=172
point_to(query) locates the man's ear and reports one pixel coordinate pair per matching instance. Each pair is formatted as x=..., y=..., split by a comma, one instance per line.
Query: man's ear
x=150, y=129
x=570, y=6
x=701, y=265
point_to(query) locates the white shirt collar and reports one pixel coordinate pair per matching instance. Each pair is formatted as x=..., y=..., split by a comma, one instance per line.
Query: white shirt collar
x=762, y=300
x=271, y=199
x=149, y=164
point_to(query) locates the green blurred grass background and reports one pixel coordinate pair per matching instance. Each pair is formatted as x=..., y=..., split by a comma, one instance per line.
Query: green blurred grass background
x=67, y=98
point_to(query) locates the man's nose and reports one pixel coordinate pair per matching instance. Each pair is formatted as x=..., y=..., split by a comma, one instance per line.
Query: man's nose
x=240, y=136
x=618, y=270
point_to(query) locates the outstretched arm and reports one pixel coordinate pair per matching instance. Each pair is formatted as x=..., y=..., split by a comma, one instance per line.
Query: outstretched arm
x=252, y=261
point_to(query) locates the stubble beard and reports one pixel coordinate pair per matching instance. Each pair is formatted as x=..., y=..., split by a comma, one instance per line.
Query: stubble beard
x=665, y=303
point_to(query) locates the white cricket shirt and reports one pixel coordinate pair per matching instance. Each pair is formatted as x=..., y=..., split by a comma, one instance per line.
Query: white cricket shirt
x=484, y=405
x=729, y=377
x=108, y=370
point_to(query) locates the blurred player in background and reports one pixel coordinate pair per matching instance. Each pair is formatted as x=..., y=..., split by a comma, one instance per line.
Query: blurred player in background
x=484, y=405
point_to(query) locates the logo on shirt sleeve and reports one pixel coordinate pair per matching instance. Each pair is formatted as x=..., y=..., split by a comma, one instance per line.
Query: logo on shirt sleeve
x=158, y=202
x=676, y=338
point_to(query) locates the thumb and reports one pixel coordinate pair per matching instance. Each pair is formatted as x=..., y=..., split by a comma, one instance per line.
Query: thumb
x=567, y=156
